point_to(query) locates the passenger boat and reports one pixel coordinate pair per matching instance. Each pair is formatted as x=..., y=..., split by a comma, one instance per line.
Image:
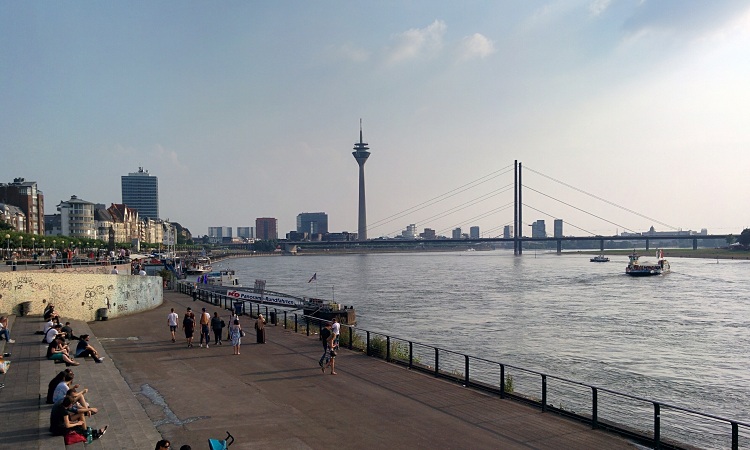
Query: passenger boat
x=599, y=258
x=223, y=277
x=636, y=269
x=197, y=266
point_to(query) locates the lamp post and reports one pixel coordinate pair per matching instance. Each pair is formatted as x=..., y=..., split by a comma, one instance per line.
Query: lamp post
x=54, y=244
x=33, y=246
x=20, y=244
x=44, y=245
x=7, y=248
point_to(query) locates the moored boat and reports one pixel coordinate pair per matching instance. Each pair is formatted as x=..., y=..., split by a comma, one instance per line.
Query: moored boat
x=599, y=258
x=636, y=269
x=197, y=266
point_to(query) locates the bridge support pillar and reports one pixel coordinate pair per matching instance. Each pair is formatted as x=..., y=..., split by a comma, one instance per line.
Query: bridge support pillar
x=601, y=245
x=559, y=246
x=695, y=244
x=647, y=244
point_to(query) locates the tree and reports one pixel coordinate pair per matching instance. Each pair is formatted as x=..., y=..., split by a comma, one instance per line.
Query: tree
x=745, y=237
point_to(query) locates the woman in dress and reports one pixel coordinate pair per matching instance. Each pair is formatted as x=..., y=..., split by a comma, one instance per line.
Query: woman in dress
x=235, y=334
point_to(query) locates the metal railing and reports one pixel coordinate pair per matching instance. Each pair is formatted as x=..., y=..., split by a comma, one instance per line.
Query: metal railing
x=649, y=422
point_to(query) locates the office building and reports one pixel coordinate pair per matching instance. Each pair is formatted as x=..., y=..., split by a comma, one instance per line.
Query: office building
x=266, y=228
x=220, y=232
x=312, y=223
x=508, y=232
x=428, y=233
x=474, y=232
x=25, y=196
x=456, y=233
x=410, y=232
x=538, y=229
x=140, y=191
x=558, y=228
x=246, y=232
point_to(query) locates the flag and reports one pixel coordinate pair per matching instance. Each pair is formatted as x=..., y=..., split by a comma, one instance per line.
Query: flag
x=314, y=277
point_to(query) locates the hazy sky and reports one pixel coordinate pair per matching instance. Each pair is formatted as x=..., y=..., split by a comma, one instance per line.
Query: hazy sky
x=251, y=109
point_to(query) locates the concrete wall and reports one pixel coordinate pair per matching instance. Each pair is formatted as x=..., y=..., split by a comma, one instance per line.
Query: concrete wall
x=79, y=294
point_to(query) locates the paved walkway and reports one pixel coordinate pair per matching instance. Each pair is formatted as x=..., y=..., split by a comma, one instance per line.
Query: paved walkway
x=275, y=396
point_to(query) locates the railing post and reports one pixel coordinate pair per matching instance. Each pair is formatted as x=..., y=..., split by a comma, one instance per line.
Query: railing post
x=307, y=325
x=351, y=337
x=657, y=426
x=368, y=344
x=466, y=370
x=388, y=348
x=502, y=380
x=411, y=354
x=735, y=436
x=594, y=408
x=295, y=323
x=437, y=361
x=544, y=393
x=284, y=319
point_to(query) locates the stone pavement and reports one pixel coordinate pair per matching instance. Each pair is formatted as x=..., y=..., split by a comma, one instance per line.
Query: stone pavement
x=275, y=396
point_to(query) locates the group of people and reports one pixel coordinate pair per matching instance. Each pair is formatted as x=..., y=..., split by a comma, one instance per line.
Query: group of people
x=58, y=339
x=215, y=324
x=70, y=409
x=330, y=337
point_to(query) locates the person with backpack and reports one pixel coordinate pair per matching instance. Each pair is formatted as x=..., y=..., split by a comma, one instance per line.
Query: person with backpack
x=217, y=325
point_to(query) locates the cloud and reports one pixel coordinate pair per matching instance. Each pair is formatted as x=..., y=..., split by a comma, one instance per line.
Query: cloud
x=597, y=7
x=418, y=42
x=350, y=52
x=475, y=46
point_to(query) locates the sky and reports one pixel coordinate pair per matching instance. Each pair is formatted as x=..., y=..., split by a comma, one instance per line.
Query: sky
x=624, y=114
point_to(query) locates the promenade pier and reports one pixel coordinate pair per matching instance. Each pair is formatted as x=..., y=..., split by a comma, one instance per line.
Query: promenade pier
x=270, y=396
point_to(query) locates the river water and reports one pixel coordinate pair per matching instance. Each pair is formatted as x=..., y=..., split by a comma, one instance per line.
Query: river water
x=681, y=338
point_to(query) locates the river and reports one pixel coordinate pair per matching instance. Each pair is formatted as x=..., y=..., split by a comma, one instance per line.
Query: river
x=682, y=338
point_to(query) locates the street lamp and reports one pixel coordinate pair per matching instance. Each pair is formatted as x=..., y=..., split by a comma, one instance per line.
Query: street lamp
x=33, y=245
x=54, y=244
x=7, y=249
x=20, y=244
x=44, y=246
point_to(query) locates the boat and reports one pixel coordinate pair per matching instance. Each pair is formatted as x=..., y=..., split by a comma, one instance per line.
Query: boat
x=197, y=266
x=222, y=277
x=599, y=258
x=636, y=269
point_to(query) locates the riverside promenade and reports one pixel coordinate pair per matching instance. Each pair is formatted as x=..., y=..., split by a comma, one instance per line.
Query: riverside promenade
x=271, y=396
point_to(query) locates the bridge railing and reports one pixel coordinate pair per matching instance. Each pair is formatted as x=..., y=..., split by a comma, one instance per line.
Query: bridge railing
x=647, y=421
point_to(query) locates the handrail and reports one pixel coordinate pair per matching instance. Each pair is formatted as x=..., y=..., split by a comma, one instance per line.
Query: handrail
x=594, y=420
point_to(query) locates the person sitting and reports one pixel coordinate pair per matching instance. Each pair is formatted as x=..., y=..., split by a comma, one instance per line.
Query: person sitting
x=68, y=330
x=57, y=351
x=49, y=324
x=84, y=349
x=4, y=331
x=62, y=420
x=49, y=312
x=53, y=384
x=51, y=334
x=79, y=404
x=62, y=388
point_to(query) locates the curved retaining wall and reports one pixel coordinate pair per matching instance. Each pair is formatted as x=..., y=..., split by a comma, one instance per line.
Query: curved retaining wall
x=79, y=295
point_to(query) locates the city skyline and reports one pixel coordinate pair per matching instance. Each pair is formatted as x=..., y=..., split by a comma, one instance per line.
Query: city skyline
x=249, y=110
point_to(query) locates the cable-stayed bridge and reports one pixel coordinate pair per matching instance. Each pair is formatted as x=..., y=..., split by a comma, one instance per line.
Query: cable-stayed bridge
x=509, y=214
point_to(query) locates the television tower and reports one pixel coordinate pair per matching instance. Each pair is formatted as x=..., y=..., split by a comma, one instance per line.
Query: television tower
x=361, y=154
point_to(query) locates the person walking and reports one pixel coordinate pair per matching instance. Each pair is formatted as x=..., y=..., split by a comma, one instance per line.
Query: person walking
x=325, y=333
x=235, y=334
x=188, y=324
x=336, y=330
x=205, y=322
x=260, y=329
x=216, y=325
x=172, y=319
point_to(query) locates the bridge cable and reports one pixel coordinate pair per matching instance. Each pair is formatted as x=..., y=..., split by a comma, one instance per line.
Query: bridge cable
x=480, y=216
x=601, y=199
x=566, y=223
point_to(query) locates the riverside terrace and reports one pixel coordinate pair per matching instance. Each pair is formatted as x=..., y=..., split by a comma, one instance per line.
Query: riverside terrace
x=270, y=396
x=646, y=421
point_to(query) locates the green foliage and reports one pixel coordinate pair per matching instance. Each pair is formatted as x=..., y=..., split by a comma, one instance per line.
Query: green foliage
x=265, y=246
x=745, y=237
x=730, y=239
x=509, y=384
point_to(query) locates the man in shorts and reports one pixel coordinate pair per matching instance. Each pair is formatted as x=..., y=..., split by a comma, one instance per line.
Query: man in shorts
x=172, y=319
x=205, y=332
x=336, y=330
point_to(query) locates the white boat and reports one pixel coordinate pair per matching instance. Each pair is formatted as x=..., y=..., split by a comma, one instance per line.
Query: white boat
x=636, y=269
x=599, y=258
x=197, y=266
x=223, y=277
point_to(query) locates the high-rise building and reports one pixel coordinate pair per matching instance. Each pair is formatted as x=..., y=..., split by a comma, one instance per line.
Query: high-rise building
x=456, y=233
x=410, y=232
x=428, y=233
x=508, y=232
x=361, y=154
x=30, y=200
x=313, y=223
x=140, y=191
x=220, y=232
x=558, y=228
x=246, y=232
x=538, y=229
x=77, y=218
x=266, y=228
x=474, y=232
